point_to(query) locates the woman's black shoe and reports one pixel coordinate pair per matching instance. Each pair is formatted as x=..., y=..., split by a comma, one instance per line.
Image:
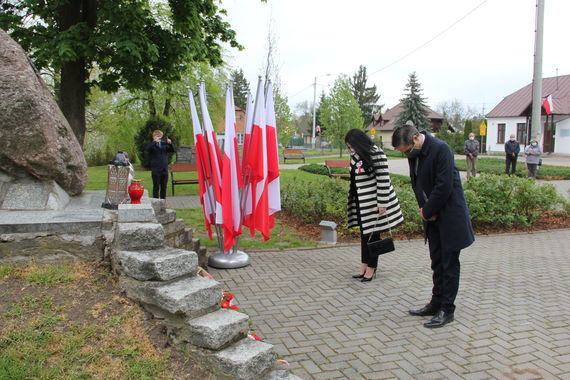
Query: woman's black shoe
x=358, y=275
x=366, y=279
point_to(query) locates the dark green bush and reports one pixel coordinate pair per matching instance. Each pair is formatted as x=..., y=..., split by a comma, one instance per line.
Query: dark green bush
x=509, y=201
x=145, y=136
x=322, y=170
x=454, y=139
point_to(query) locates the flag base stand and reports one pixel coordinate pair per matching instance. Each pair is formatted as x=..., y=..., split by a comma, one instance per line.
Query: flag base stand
x=229, y=260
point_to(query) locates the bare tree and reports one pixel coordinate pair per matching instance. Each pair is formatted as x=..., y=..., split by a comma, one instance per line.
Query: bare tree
x=456, y=113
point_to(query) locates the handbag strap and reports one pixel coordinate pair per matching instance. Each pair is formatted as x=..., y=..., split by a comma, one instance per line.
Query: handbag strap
x=375, y=223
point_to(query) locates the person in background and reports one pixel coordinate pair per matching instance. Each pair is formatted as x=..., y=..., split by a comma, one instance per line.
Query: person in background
x=158, y=150
x=532, y=153
x=444, y=212
x=512, y=150
x=471, y=148
x=372, y=201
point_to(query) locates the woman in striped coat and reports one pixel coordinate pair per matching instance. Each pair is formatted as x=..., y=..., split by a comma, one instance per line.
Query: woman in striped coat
x=372, y=202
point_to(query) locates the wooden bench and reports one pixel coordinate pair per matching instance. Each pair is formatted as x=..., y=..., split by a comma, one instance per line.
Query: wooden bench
x=177, y=168
x=293, y=154
x=329, y=164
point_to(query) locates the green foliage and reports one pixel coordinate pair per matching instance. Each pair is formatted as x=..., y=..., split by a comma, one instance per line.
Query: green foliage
x=497, y=166
x=508, y=201
x=322, y=170
x=283, y=115
x=145, y=136
x=414, y=106
x=241, y=88
x=454, y=139
x=366, y=97
x=467, y=129
x=340, y=112
x=112, y=45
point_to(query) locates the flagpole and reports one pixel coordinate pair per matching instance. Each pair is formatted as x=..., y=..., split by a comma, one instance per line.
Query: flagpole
x=219, y=233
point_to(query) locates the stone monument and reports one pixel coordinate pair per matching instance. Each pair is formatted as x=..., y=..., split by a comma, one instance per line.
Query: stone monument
x=41, y=161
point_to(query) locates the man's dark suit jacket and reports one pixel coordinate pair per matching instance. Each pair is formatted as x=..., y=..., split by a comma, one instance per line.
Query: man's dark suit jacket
x=438, y=190
x=159, y=156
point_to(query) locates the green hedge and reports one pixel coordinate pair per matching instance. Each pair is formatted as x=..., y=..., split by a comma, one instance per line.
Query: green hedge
x=497, y=166
x=492, y=200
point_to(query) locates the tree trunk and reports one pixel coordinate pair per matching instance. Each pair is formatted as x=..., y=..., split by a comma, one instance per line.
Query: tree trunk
x=73, y=89
x=72, y=96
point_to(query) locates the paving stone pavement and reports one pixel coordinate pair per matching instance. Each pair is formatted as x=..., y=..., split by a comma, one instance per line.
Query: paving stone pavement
x=511, y=318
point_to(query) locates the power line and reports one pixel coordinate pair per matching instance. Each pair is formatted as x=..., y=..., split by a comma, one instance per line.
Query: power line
x=430, y=40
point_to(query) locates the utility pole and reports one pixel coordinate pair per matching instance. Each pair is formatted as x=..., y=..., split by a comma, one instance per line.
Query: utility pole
x=535, y=125
x=314, y=113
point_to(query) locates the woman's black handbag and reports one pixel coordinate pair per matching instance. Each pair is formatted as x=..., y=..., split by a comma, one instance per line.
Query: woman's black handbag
x=380, y=246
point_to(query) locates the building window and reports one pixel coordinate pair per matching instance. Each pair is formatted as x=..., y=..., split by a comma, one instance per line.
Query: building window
x=521, y=133
x=501, y=133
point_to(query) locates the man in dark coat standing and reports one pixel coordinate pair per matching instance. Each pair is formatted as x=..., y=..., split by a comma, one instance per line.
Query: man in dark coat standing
x=447, y=225
x=512, y=150
x=158, y=150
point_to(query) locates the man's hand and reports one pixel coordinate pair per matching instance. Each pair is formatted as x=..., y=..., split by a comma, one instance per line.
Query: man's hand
x=381, y=210
x=421, y=213
x=470, y=155
x=168, y=141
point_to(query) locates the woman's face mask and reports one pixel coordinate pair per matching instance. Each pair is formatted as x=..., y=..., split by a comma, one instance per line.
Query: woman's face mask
x=534, y=144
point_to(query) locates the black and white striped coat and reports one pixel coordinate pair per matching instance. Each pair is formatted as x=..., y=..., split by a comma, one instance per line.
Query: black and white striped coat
x=372, y=190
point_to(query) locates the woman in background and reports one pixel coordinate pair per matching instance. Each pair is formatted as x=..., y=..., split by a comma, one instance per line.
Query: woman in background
x=532, y=153
x=372, y=202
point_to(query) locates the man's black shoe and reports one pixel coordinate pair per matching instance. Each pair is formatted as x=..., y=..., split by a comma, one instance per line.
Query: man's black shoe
x=439, y=320
x=428, y=309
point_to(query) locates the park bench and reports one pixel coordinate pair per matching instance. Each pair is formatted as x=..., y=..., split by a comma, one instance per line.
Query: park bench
x=293, y=154
x=180, y=168
x=329, y=164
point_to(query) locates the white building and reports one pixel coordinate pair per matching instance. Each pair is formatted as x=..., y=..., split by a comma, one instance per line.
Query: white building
x=513, y=114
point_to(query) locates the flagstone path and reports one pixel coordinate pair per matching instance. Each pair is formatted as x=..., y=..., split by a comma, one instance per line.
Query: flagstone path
x=511, y=321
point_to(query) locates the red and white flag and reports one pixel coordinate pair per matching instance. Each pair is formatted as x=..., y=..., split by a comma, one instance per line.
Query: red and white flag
x=214, y=156
x=230, y=217
x=256, y=169
x=273, y=185
x=548, y=105
x=205, y=188
x=247, y=200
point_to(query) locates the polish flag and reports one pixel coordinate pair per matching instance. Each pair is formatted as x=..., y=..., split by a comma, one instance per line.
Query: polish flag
x=247, y=200
x=206, y=190
x=273, y=185
x=548, y=105
x=214, y=156
x=256, y=167
x=231, y=179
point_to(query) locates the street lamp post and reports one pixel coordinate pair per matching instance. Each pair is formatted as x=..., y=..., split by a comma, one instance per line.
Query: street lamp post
x=313, y=139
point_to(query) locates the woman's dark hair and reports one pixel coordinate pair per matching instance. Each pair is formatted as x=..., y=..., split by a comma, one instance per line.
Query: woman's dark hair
x=362, y=145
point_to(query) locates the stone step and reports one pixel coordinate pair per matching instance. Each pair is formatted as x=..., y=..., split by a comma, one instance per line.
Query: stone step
x=216, y=330
x=280, y=374
x=190, y=297
x=245, y=359
x=161, y=264
x=168, y=216
x=188, y=231
x=139, y=236
x=177, y=226
x=159, y=205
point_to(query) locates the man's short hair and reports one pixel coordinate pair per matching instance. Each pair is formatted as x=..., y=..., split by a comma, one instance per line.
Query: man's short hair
x=157, y=133
x=404, y=135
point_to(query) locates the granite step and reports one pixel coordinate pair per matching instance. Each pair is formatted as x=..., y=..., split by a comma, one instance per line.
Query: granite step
x=160, y=264
x=216, y=330
x=245, y=359
x=190, y=297
x=168, y=216
x=175, y=227
x=139, y=236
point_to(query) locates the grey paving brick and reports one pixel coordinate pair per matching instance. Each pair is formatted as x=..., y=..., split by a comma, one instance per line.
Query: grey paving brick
x=511, y=315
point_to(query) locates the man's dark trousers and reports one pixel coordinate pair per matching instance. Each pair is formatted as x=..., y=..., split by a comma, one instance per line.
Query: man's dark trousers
x=446, y=268
x=159, y=182
x=511, y=162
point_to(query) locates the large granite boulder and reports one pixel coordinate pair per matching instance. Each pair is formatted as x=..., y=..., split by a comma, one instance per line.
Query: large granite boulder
x=37, y=140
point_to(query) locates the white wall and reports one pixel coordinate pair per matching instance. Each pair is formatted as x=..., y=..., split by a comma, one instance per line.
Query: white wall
x=562, y=137
x=510, y=128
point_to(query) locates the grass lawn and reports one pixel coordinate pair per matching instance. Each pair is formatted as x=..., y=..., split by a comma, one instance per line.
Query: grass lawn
x=72, y=322
x=497, y=166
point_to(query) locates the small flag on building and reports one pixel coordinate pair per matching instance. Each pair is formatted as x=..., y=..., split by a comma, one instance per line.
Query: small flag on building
x=548, y=105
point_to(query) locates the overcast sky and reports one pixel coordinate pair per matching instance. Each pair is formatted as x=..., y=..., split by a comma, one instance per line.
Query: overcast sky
x=485, y=56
